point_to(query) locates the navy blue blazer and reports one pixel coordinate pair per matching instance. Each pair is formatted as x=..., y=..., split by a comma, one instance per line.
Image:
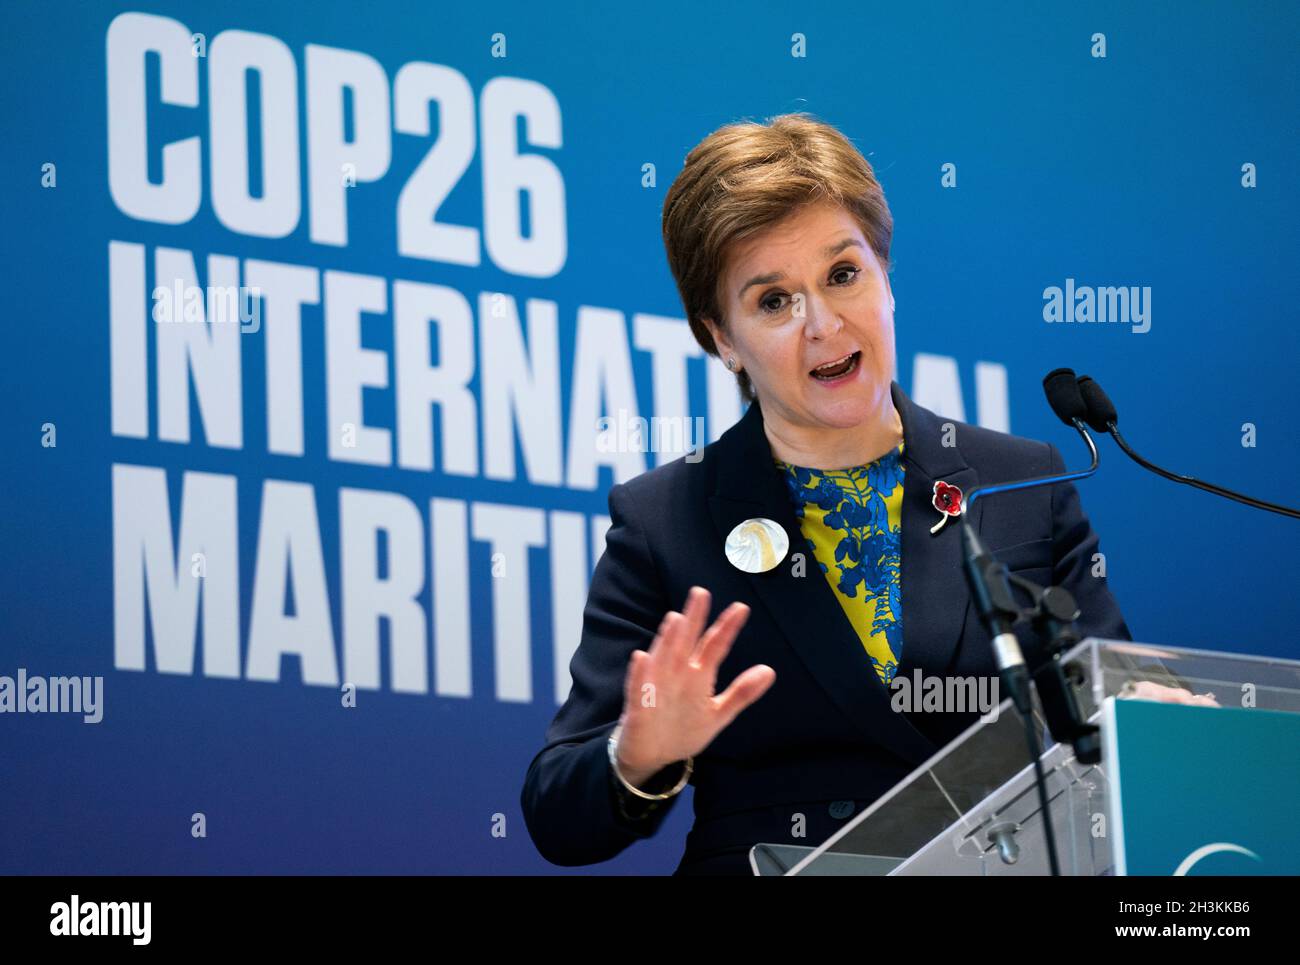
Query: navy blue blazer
x=825, y=733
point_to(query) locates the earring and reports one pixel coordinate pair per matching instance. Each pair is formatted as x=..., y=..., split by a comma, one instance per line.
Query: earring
x=731, y=363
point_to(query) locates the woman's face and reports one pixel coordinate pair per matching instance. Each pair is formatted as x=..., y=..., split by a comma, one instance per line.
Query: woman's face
x=805, y=292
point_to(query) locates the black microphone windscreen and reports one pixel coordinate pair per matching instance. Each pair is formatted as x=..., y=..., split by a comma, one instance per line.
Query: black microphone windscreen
x=1101, y=411
x=1063, y=396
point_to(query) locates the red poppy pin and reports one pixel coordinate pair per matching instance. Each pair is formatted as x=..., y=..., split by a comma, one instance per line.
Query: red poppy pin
x=947, y=499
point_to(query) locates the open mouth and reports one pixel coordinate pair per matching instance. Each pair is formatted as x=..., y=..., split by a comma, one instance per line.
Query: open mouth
x=837, y=369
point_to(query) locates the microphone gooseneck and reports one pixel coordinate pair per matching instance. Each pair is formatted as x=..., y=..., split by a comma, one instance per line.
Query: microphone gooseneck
x=1080, y=403
x=1053, y=614
x=1101, y=415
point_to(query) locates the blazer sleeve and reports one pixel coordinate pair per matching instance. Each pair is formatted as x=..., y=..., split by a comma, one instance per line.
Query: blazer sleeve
x=569, y=801
x=1074, y=545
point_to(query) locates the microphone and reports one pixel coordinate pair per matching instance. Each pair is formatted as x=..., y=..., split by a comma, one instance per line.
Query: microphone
x=988, y=578
x=1054, y=613
x=1101, y=415
x=1065, y=397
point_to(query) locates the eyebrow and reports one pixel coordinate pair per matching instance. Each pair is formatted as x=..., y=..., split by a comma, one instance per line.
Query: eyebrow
x=830, y=251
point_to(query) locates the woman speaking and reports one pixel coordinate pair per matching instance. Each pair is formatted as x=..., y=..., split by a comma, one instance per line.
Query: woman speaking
x=804, y=547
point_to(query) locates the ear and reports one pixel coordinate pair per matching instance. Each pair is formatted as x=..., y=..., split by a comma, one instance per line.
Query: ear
x=719, y=338
x=889, y=289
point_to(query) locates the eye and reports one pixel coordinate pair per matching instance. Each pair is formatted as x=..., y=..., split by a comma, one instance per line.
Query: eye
x=854, y=271
x=772, y=303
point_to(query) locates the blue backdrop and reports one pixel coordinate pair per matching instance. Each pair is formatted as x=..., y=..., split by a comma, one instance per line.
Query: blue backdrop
x=230, y=529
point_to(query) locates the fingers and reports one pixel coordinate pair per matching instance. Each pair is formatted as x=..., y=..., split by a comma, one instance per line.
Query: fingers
x=1149, y=690
x=744, y=690
x=682, y=638
x=679, y=631
x=694, y=613
x=662, y=634
x=668, y=629
x=716, y=643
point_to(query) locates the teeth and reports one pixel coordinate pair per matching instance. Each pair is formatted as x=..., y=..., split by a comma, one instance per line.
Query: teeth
x=831, y=365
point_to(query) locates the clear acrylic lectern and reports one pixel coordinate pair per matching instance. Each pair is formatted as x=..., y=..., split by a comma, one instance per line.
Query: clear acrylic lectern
x=973, y=808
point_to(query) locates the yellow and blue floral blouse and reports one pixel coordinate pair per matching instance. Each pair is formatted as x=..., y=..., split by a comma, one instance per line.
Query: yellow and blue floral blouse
x=852, y=522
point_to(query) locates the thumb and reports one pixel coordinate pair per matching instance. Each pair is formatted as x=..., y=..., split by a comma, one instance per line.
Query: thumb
x=635, y=678
x=744, y=690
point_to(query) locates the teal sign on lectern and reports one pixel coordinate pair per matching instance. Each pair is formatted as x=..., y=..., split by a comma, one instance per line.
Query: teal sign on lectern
x=1202, y=790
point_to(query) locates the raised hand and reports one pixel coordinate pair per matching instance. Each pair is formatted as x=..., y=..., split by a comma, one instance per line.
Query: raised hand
x=670, y=711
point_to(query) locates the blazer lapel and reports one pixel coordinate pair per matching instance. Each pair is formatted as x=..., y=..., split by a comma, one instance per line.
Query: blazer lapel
x=935, y=594
x=749, y=485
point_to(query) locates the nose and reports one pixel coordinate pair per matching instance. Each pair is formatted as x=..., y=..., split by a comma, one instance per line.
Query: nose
x=821, y=321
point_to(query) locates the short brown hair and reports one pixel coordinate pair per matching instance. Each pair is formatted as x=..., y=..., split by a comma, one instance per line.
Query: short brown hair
x=747, y=176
